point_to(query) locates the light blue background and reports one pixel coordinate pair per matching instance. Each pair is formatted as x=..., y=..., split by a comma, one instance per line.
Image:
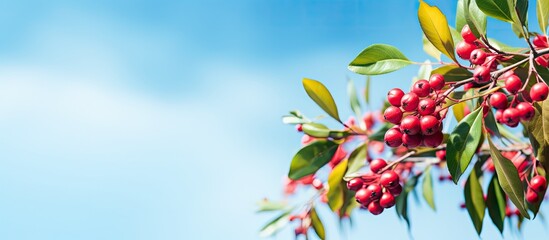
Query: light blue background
x=161, y=119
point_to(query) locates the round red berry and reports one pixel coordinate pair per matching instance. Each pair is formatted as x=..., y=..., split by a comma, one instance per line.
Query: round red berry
x=421, y=88
x=409, y=102
x=464, y=49
x=531, y=196
x=411, y=141
x=410, y=125
x=526, y=111
x=467, y=35
x=539, y=91
x=478, y=56
x=393, y=137
x=542, y=61
x=363, y=196
x=429, y=125
x=433, y=140
x=355, y=184
x=537, y=183
x=511, y=116
x=498, y=100
x=436, y=81
x=441, y=154
x=299, y=127
x=481, y=74
x=394, y=96
x=540, y=41
x=395, y=190
x=513, y=84
x=375, y=191
x=377, y=164
x=499, y=116
x=317, y=184
x=375, y=208
x=393, y=114
x=387, y=200
x=426, y=106
x=389, y=179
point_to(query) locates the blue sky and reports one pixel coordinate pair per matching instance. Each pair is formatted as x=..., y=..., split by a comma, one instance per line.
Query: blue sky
x=161, y=119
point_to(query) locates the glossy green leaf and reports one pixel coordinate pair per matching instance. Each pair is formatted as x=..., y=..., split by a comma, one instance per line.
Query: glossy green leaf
x=428, y=194
x=460, y=14
x=335, y=188
x=463, y=142
x=452, y=73
x=496, y=203
x=542, y=12
x=491, y=124
x=311, y=158
x=521, y=11
x=509, y=179
x=353, y=99
x=499, y=9
x=378, y=59
x=317, y=224
x=316, y=130
x=474, y=198
x=275, y=225
x=435, y=27
x=475, y=18
x=430, y=49
x=357, y=159
x=321, y=96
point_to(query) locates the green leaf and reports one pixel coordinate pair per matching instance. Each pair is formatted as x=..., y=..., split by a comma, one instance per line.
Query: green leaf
x=475, y=18
x=428, y=194
x=322, y=97
x=452, y=73
x=463, y=142
x=317, y=224
x=316, y=130
x=491, y=124
x=268, y=206
x=335, y=187
x=357, y=159
x=401, y=204
x=474, y=198
x=355, y=104
x=496, y=203
x=379, y=135
x=459, y=110
x=430, y=49
x=509, y=179
x=275, y=225
x=367, y=90
x=460, y=14
x=498, y=9
x=311, y=158
x=378, y=59
x=542, y=10
x=435, y=27
x=521, y=11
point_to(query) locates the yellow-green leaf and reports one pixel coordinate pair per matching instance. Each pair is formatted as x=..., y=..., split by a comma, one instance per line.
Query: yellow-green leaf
x=435, y=27
x=335, y=189
x=322, y=97
x=378, y=59
x=317, y=224
x=459, y=110
x=542, y=10
x=430, y=49
x=428, y=194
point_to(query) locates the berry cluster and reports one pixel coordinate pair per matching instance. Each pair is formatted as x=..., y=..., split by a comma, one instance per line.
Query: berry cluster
x=377, y=190
x=540, y=42
x=415, y=114
x=536, y=188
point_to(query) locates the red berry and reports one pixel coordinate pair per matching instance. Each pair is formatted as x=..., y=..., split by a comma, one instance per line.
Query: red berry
x=539, y=91
x=377, y=164
x=441, y=154
x=467, y=86
x=409, y=102
x=531, y=196
x=540, y=41
x=464, y=49
x=436, y=81
x=478, y=56
x=393, y=137
x=375, y=191
x=511, y=116
x=363, y=196
x=421, y=88
x=498, y=100
x=499, y=116
x=387, y=200
x=537, y=183
x=513, y=84
x=429, y=125
x=389, y=179
x=467, y=35
x=393, y=114
x=526, y=111
x=410, y=125
x=394, y=96
x=507, y=74
x=481, y=74
x=375, y=208
x=411, y=141
x=355, y=184
x=395, y=190
x=317, y=184
x=542, y=61
x=433, y=140
x=426, y=106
